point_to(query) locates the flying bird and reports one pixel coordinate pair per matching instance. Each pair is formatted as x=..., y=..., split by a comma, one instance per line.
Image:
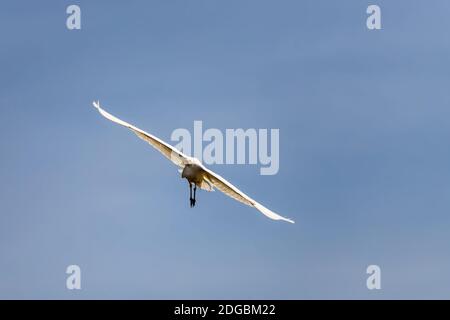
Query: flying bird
x=193, y=170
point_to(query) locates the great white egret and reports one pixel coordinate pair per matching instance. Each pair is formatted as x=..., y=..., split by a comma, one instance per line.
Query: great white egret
x=193, y=170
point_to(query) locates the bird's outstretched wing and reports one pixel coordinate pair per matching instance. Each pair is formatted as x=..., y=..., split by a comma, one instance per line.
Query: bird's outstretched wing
x=181, y=159
x=166, y=149
x=226, y=187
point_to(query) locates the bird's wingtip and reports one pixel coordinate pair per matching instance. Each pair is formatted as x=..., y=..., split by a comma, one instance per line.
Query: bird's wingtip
x=272, y=215
x=289, y=220
x=96, y=104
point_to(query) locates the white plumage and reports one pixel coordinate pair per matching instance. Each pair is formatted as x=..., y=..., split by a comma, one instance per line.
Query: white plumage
x=193, y=170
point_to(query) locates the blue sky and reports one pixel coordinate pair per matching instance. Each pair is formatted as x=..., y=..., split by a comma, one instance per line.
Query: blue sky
x=364, y=153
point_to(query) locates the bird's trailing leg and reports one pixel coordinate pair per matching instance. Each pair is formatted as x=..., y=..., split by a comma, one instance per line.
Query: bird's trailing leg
x=195, y=189
x=190, y=194
x=192, y=200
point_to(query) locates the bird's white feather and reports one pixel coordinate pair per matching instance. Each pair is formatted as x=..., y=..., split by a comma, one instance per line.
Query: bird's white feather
x=170, y=152
x=210, y=178
x=271, y=214
x=230, y=190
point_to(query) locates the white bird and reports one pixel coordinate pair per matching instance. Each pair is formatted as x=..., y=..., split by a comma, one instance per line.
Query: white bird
x=193, y=170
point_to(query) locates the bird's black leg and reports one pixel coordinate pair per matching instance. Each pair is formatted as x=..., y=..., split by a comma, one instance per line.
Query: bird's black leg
x=190, y=195
x=195, y=189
